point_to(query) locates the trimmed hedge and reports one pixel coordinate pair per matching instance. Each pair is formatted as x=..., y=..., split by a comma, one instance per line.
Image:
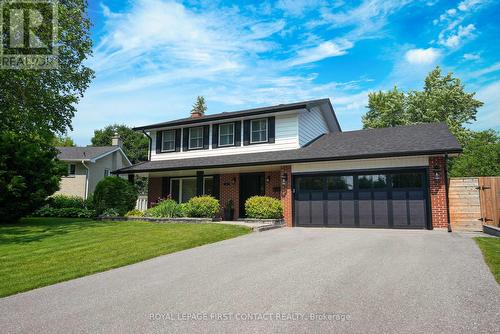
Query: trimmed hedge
x=63, y=201
x=47, y=211
x=114, y=193
x=202, y=207
x=165, y=209
x=263, y=207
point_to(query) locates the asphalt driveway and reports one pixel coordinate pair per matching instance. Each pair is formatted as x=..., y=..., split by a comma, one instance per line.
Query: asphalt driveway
x=287, y=280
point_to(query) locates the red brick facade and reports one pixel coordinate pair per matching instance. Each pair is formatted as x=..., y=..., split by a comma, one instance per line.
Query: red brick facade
x=286, y=195
x=273, y=184
x=230, y=190
x=438, y=192
x=154, y=190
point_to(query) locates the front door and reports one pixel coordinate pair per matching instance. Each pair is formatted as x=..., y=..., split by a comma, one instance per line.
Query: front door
x=252, y=184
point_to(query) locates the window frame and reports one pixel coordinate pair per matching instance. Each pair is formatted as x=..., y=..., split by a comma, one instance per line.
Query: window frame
x=69, y=170
x=233, y=134
x=163, y=140
x=189, y=138
x=181, y=181
x=266, y=131
x=107, y=172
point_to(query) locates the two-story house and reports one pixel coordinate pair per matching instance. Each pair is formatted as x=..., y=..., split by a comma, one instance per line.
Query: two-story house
x=389, y=177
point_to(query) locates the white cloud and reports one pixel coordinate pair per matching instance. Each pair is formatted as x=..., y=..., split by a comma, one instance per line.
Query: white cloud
x=489, y=114
x=471, y=56
x=490, y=69
x=452, y=38
x=422, y=56
x=298, y=7
x=322, y=51
x=468, y=4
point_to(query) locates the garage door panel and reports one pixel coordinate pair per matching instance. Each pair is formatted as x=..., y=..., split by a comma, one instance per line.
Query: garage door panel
x=399, y=209
x=317, y=214
x=365, y=213
x=417, y=208
x=333, y=212
x=380, y=209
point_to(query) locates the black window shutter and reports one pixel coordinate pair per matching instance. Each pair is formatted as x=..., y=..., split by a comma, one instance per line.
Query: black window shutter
x=246, y=132
x=206, y=136
x=177, y=140
x=271, y=131
x=185, y=139
x=216, y=189
x=237, y=133
x=165, y=187
x=215, y=135
x=159, y=136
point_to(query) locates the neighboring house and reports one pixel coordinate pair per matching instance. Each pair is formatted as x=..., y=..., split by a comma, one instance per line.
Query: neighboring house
x=88, y=165
x=390, y=177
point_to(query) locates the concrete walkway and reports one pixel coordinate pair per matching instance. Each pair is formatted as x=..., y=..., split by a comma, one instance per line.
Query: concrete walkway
x=286, y=280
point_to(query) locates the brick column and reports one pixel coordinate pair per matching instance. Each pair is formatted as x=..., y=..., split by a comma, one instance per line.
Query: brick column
x=286, y=195
x=230, y=190
x=273, y=184
x=154, y=190
x=438, y=192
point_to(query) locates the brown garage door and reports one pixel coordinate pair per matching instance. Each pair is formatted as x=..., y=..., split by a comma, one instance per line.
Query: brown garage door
x=389, y=199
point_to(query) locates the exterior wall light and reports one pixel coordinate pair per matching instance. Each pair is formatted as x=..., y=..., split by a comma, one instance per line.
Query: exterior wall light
x=437, y=173
x=284, y=179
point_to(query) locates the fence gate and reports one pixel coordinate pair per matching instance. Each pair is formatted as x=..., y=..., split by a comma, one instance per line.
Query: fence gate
x=489, y=194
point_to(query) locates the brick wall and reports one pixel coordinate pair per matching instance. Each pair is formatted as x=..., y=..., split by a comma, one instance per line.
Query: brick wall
x=438, y=193
x=286, y=196
x=154, y=190
x=274, y=185
x=230, y=190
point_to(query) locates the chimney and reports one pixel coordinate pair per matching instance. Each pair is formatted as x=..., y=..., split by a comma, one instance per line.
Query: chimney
x=116, y=140
x=196, y=114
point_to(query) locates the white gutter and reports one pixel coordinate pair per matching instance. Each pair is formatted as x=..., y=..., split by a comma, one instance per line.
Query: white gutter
x=86, y=179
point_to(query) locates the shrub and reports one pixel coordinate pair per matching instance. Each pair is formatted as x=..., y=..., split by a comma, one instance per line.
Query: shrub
x=47, y=211
x=111, y=212
x=89, y=202
x=202, y=206
x=263, y=207
x=134, y=213
x=165, y=209
x=114, y=193
x=63, y=201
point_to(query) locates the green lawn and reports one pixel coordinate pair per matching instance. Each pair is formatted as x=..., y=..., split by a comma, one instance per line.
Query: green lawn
x=491, y=252
x=43, y=251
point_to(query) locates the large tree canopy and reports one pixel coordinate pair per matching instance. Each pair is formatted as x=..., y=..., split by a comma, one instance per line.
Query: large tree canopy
x=443, y=99
x=135, y=144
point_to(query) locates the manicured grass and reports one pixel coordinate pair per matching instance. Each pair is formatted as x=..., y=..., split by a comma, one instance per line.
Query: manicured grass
x=491, y=252
x=42, y=251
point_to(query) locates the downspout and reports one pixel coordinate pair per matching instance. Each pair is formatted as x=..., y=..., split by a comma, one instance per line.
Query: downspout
x=86, y=179
x=150, y=143
x=446, y=186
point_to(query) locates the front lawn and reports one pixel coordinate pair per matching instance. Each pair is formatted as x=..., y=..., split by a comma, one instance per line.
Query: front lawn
x=491, y=252
x=43, y=251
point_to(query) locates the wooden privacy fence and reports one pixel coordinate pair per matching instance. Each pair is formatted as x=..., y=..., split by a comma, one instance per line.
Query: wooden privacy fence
x=474, y=201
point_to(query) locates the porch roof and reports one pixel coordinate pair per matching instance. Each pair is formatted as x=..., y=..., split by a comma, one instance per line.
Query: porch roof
x=420, y=139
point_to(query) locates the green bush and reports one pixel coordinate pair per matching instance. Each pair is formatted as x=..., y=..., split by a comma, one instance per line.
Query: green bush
x=114, y=193
x=263, y=207
x=111, y=212
x=47, y=211
x=165, y=209
x=89, y=202
x=63, y=201
x=134, y=213
x=202, y=206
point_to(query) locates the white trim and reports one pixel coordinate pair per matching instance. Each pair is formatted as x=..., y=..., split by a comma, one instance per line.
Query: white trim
x=234, y=134
x=87, y=176
x=267, y=130
x=106, y=154
x=163, y=141
x=189, y=138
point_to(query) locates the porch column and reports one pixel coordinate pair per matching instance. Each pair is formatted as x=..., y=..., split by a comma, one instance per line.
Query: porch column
x=286, y=194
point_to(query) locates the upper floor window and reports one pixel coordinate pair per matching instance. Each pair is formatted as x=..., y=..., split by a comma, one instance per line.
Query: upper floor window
x=226, y=134
x=168, y=142
x=71, y=170
x=196, y=138
x=258, y=130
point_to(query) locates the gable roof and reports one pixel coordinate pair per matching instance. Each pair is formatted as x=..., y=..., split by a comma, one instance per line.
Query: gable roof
x=88, y=153
x=242, y=113
x=420, y=139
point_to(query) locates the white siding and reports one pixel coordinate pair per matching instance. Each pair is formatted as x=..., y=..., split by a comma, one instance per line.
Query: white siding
x=360, y=164
x=286, y=138
x=311, y=125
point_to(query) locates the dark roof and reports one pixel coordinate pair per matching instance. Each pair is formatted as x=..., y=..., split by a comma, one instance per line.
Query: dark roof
x=421, y=139
x=83, y=153
x=240, y=113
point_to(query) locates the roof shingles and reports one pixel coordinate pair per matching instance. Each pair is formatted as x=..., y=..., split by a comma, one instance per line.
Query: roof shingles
x=83, y=153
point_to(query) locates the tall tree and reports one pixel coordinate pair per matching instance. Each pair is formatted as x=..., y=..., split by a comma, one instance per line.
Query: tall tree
x=199, y=107
x=63, y=141
x=35, y=106
x=443, y=99
x=135, y=144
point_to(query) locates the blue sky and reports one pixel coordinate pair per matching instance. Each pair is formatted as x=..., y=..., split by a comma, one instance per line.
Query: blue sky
x=153, y=57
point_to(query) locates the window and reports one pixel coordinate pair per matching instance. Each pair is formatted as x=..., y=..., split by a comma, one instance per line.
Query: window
x=183, y=189
x=258, y=131
x=168, y=142
x=339, y=182
x=372, y=181
x=106, y=172
x=226, y=134
x=311, y=183
x=208, y=186
x=71, y=170
x=407, y=180
x=196, y=138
